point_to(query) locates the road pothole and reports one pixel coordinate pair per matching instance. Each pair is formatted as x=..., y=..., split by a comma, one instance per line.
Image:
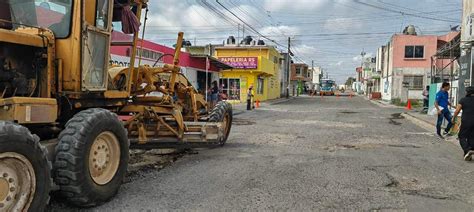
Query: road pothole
x=242, y=122
x=358, y=146
x=349, y=112
x=142, y=162
x=409, y=185
x=321, y=124
x=396, y=116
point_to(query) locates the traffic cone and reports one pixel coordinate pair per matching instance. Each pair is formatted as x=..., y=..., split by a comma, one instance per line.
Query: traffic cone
x=350, y=96
x=408, y=105
x=257, y=104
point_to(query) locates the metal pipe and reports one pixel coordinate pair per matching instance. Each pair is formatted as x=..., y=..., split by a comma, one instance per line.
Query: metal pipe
x=143, y=37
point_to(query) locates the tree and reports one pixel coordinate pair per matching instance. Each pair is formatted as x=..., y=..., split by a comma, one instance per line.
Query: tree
x=349, y=81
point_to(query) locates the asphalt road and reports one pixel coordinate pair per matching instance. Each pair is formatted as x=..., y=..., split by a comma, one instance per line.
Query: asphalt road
x=311, y=154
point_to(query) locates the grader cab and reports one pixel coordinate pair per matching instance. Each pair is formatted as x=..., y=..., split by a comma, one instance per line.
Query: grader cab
x=68, y=118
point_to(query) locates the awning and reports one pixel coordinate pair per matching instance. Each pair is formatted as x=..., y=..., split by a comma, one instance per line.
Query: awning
x=214, y=61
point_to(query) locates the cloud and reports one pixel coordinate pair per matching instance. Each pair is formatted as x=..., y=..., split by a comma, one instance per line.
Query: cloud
x=286, y=31
x=305, y=50
x=296, y=5
x=342, y=24
x=338, y=63
x=358, y=58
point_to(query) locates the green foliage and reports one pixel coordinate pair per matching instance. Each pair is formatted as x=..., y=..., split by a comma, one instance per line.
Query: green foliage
x=414, y=103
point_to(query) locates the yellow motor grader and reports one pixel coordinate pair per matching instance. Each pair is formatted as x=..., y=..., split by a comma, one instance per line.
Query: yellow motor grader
x=68, y=118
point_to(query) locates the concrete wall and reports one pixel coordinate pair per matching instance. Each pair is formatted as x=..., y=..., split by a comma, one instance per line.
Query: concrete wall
x=468, y=10
x=387, y=88
x=398, y=91
x=466, y=36
x=399, y=42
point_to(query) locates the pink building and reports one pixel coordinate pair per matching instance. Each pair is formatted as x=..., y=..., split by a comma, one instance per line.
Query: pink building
x=405, y=63
x=193, y=66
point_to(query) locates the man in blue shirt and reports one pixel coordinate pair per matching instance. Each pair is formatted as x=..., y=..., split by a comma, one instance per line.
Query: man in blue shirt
x=441, y=104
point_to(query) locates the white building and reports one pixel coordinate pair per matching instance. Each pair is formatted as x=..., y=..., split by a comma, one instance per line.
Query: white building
x=317, y=74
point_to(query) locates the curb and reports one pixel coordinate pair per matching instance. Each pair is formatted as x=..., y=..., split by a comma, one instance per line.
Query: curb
x=427, y=126
x=384, y=105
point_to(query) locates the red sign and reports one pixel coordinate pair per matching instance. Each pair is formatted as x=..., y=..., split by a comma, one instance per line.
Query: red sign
x=241, y=62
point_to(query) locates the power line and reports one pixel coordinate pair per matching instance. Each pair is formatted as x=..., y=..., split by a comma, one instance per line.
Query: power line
x=405, y=13
x=248, y=25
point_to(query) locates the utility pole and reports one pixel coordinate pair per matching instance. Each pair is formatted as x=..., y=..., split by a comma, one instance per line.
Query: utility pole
x=238, y=35
x=288, y=62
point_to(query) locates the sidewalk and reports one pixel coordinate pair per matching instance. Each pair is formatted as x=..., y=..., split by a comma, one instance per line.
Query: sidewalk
x=240, y=108
x=422, y=120
x=381, y=103
x=428, y=123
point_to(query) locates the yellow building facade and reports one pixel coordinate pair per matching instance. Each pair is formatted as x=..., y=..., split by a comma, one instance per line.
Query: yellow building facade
x=254, y=65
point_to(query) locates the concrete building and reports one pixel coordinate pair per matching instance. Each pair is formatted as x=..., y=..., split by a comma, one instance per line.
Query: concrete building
x=370, y=78
x=285, y=63
x=467, y=45
x=406, y=64
x=300, y=76
x=254, y=64
x=357, y=85
x=317, y=76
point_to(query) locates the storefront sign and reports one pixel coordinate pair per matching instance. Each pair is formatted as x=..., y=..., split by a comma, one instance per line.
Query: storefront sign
x=241, y=62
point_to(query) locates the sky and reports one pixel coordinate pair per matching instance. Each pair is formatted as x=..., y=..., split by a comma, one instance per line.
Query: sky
x=332, y=33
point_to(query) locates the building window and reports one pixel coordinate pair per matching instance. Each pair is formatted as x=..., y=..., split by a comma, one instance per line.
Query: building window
x=414, y=52
x=230, y=88
x=298, y=71
x=102, y=14
x=414, y=82
x=260, y=85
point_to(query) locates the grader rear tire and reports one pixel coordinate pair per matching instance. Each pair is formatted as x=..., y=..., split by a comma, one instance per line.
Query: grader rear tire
x=222, y=112
x=25, y=172
x=92, y=158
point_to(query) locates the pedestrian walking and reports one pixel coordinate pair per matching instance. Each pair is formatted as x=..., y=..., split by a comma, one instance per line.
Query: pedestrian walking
x=426, y=98
x=466, y=131
x=214, y=93
x=441, y=105
x=249, y=97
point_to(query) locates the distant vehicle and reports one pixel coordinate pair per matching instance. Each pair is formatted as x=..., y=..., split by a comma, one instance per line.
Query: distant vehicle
x=327, y=87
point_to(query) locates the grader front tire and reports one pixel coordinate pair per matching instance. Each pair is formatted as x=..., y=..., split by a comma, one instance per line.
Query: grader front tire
x=92, y=158
x=25, y=172
x=222, y=112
